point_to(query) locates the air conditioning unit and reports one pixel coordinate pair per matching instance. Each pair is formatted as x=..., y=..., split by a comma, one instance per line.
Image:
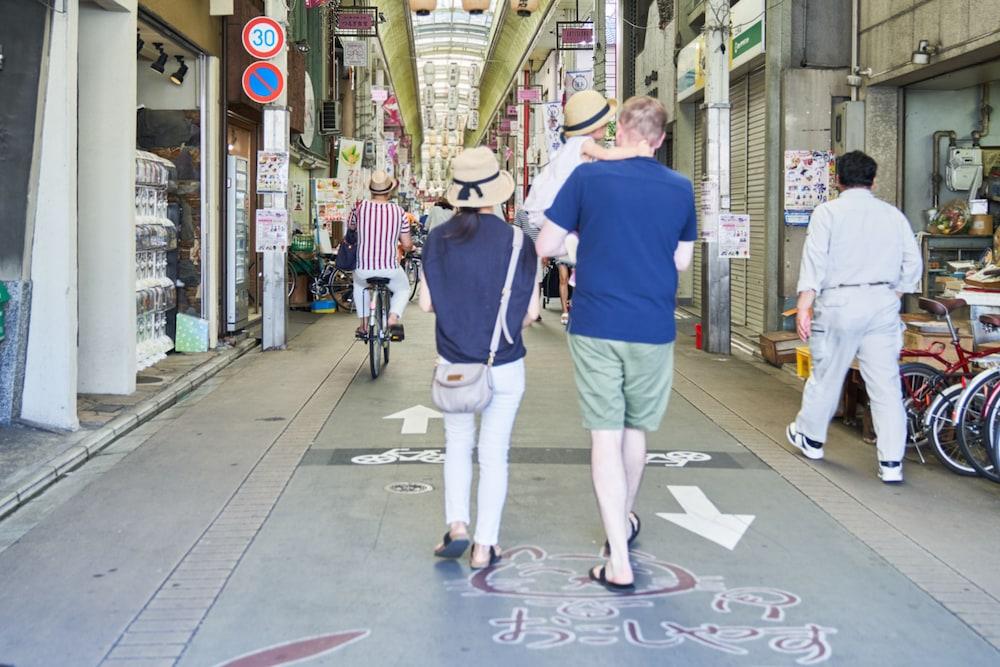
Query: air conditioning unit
x=330, y=118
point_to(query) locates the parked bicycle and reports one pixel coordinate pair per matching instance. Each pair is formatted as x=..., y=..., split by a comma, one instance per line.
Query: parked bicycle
x=335, y=284
x=939, y=406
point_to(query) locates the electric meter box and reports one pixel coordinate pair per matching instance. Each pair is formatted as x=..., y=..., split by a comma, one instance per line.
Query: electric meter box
x=965, y=168
x=848, y=127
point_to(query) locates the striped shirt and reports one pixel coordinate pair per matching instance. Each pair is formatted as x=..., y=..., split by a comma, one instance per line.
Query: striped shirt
x=379, y=226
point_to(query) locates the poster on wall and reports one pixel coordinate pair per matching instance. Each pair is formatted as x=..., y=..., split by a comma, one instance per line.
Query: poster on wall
x=553, y=119
x=355, y=54
x=333, y=203
x=272, y=172
x=734, y=236
x=809, y=178
x=272, y=229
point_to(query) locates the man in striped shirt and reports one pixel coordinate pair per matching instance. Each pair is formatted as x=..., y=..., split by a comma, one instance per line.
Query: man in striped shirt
x=381, y=226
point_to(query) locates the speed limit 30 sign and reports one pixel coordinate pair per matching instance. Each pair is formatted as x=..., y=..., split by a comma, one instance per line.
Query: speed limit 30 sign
x=263, y=37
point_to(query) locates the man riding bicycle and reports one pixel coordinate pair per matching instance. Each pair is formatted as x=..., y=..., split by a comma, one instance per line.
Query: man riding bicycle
x=381, y=225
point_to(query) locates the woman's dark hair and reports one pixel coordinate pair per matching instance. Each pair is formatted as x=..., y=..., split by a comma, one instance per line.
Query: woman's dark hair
x=444, y=203
x=466, y=222
x=856, y=169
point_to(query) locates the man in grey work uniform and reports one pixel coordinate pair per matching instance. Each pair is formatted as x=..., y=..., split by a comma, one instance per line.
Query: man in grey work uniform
x=860, y=257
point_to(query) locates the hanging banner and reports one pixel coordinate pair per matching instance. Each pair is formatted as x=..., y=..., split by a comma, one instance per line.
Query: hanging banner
x=578, y=81
x=391, y=110
x=355, y=54
x=553, y=119
x=531, y=94
x=349, y=157
x=734, y=236
x=272, y=172
x=272, y=229
x=512, y=111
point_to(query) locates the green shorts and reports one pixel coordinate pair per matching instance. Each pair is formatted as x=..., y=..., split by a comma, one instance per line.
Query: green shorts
x=621, y=385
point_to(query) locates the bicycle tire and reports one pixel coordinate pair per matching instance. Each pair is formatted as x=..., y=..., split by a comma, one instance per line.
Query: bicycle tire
x=940, y=426
x=970, y=412
x=387, y=337
x=375, y=337
x=993, y=432
x=413, y=275
x=290, y=276
x=921, y=383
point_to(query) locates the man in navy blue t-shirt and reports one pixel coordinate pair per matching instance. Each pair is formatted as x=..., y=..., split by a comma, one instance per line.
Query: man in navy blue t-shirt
x=637, y=227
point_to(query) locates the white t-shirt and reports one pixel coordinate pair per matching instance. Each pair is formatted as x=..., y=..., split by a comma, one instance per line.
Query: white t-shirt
x=551, y=179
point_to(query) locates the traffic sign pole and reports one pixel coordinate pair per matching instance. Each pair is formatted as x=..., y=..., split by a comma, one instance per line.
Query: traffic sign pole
x=276, y=139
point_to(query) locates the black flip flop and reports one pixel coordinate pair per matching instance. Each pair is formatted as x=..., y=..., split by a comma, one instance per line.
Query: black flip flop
x=452, y=548
x=360, y=334
x=494, y=559
x=602, y=579
x=396, y=333
x=636, y=527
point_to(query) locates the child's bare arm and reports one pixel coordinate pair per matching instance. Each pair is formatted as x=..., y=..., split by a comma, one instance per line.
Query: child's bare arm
x=595, y=151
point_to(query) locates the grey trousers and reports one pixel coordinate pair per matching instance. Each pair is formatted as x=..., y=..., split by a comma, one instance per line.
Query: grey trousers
x=860, y=322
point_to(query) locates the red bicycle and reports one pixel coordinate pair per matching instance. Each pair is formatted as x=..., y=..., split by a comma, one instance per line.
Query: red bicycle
x=925, y=386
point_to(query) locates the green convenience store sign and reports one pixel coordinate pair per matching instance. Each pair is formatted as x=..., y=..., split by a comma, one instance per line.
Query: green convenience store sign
x=748, y=40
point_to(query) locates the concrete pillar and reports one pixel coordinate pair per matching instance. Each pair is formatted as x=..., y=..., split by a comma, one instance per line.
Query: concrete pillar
x=106, y=196
x=683, y=151
x=882, y=131
x=50, y=381
x=212, y=197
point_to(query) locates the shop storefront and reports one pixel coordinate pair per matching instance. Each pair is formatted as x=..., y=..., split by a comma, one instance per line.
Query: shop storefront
x=171, y=196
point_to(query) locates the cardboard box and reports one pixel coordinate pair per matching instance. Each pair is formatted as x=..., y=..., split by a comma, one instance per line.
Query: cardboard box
x=982, y=225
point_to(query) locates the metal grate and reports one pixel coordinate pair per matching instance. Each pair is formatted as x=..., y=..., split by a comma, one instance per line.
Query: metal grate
x=409, y=488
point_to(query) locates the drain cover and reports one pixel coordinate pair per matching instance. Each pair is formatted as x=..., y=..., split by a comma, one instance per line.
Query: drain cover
x=409, y=488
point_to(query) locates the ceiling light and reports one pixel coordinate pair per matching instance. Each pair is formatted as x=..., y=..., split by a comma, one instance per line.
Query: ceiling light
x=161, y=62
x=423, y=7
x=178, y=76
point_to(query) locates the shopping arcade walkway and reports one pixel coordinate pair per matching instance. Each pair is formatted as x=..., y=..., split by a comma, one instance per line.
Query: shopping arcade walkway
x=178, y=548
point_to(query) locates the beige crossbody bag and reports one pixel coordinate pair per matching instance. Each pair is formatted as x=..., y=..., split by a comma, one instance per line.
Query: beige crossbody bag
x=465, y=388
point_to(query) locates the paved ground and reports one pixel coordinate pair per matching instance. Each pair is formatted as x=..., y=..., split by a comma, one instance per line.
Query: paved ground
x=254, y=520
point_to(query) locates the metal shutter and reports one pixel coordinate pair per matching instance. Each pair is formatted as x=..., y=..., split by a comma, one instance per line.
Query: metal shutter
x=738, y=191
x=699, y=165
x=756, y=189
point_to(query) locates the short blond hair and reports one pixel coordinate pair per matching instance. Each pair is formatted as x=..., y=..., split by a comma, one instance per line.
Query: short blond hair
x=645, y=116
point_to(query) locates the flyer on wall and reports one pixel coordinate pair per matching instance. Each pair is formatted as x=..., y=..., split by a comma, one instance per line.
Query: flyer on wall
x=272, y=229
x=272, y=172
x=734, y=235
x=809, y=179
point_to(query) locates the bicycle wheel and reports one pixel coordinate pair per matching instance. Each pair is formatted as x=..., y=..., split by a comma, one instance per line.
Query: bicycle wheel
x=939, y=425
x=921, y=384
x=375, y=334
x=413, y=275
x=993, y=432
x=290, y=275
x=970, y=411
x=387, y=337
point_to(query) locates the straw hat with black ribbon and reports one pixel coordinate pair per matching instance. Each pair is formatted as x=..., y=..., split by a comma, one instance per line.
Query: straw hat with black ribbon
x=478, y=181
x=382, y=183
x=586, y=111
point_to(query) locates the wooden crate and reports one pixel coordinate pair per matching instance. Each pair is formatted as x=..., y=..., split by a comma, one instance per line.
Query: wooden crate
x=778, y=347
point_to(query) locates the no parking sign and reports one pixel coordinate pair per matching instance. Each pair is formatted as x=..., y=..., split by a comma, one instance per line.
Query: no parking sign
x=263, y=82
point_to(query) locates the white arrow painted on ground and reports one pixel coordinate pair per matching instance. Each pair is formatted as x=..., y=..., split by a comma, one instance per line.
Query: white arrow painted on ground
x=702, y=517
x=415, y=419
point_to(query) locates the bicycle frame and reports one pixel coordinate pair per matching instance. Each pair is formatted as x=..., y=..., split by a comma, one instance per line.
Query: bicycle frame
x=963, y=365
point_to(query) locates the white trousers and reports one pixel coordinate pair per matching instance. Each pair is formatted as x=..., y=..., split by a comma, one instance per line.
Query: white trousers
x=495, y=428
x=399, y=285
x=860, y=322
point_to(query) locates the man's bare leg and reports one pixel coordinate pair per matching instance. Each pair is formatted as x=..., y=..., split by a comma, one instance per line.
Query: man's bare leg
x=564, y=287
x=611, y=488
x=634, y=454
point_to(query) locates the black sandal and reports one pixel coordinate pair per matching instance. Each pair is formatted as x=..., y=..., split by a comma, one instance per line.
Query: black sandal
x=396, y=333
x=452, y=547
x=493, y=560
x=636, y=527
x=602, y=579
x=361, y=334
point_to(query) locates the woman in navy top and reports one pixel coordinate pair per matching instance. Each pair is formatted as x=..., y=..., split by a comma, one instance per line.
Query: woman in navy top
x=465, y=264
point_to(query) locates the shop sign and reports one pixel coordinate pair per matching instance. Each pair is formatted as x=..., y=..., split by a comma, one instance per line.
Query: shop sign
x=263, y=37
x=690, y=69
x=747, y=41
x=263, y=82
x=574, y=35
x=578, y=81
x=379, y=95
x=355, y=21
x=505, y=126
x=532, y=94
x=578, y=35
x=512, y=110
x=272, y=229
x=355, y=54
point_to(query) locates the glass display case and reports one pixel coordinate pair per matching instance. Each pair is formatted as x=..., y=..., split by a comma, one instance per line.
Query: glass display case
x=237, y=242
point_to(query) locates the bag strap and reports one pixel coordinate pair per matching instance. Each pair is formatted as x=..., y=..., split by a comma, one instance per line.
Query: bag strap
x=500, y=328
